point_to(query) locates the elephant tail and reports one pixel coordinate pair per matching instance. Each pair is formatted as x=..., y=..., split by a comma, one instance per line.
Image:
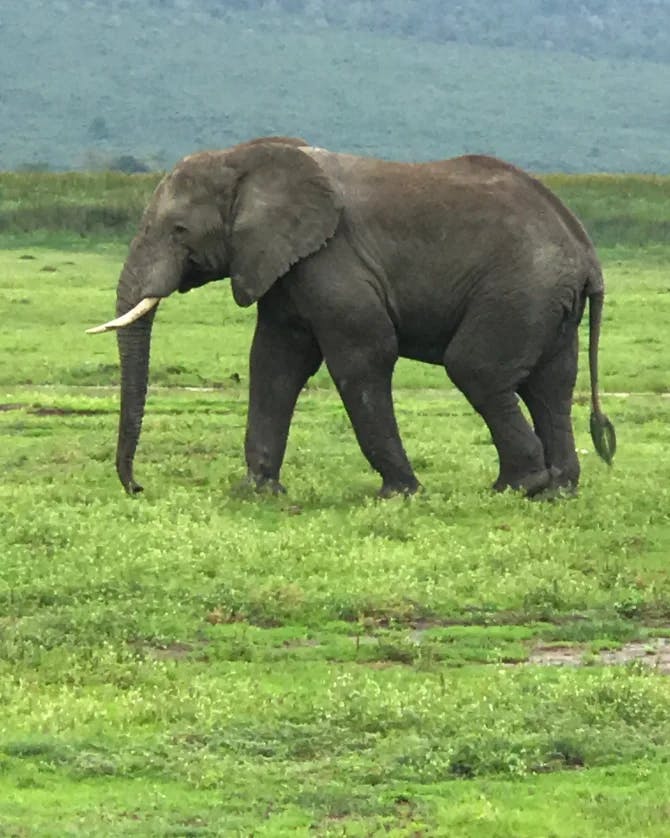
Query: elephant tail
x=602, y=430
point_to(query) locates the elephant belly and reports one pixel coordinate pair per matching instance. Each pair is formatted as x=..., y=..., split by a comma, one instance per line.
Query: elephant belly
x=426, y=351
x=425, y=335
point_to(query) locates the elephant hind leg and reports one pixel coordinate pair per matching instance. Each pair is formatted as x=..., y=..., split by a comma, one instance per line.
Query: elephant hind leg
x=547, y=393
x=489, y=383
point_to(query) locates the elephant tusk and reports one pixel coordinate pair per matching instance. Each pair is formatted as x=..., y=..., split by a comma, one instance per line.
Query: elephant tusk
x=131, y=316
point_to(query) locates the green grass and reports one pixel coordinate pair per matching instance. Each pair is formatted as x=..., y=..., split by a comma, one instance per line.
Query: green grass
x=618, y=209
x=622, y=211
x=105, y=204
x=67, y=291
x=205, y=661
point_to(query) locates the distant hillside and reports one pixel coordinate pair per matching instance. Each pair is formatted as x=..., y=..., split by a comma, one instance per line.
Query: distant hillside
x=133, y=84
x=593, y=28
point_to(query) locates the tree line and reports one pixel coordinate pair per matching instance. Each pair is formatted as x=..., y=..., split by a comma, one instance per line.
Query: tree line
x=603, y=28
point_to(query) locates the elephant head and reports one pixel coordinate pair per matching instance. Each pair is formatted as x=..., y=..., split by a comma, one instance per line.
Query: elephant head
x=248, y=213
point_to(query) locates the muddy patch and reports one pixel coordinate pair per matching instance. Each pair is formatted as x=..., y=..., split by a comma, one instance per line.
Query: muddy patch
x=65, y=411
x=45, y=410
x=169, y=652
x=654, y=653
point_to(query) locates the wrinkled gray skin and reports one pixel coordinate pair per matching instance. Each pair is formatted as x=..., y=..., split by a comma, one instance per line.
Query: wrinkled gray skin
x=468, y=262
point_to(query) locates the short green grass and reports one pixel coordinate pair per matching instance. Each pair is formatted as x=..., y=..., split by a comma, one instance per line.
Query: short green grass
x=204, y=661
x=52, y=296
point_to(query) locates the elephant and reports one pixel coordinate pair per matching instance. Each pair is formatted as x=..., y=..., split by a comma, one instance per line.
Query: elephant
x=467, y=262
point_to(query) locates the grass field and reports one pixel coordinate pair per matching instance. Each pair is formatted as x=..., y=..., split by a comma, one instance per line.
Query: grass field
x=618, y=210
x=199, y=661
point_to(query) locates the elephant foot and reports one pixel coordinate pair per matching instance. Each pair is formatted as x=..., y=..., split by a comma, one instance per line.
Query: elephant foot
x=529, y=484
x=548, y=484
x=259, y=484
x=133, y=488
x=270, y=486
x=404, y=489
x=552, y=493
x=562, y=485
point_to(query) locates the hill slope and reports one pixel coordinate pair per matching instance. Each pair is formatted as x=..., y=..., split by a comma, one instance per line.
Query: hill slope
x=83, y=85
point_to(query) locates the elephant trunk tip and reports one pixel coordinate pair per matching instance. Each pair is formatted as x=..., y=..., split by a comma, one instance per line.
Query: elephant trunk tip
x=125, y=473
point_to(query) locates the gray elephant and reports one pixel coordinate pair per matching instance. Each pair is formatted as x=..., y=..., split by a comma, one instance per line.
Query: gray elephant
x=469, y=262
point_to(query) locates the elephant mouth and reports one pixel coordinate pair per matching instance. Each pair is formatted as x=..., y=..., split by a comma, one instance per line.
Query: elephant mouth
x=189, y=284
x=195, y=279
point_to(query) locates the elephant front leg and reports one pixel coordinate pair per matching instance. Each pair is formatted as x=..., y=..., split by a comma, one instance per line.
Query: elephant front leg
x=363, y=379
x=281, y=361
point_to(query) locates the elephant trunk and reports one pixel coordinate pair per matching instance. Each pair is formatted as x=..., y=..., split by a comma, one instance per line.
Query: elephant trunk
x=134, y=343
x=151, y=272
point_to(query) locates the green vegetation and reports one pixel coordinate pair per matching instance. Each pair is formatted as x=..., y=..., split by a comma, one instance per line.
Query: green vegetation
x=618, y=210
x=205, y=661
x=604, y=28
x=355, y=77
x=105, y=204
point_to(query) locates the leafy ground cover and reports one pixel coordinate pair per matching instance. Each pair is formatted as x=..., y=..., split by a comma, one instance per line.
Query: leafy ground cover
x=204, y=661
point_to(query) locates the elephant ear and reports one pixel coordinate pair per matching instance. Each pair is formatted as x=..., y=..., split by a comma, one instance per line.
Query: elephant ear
x=285, y=209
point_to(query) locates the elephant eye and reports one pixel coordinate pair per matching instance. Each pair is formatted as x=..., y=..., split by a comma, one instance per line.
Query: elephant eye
x=179, y=228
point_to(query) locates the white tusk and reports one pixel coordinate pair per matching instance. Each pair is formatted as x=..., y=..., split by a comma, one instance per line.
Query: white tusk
x=131, y=316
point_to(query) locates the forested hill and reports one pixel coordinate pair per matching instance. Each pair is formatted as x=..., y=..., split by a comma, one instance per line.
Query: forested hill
x=594, y=28
x=128, y=84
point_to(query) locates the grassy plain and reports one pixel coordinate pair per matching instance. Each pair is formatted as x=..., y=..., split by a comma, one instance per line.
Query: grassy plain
x=198, y=661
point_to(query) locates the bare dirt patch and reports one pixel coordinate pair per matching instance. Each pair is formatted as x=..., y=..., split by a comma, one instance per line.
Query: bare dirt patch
x=168, y=652
x=654, y=653
x=45, y=410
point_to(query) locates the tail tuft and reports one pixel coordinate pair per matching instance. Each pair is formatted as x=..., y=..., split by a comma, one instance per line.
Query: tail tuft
x=603, y=436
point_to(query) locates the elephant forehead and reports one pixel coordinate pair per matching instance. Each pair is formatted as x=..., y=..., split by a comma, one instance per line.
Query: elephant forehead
x=200, y=177
x=179, y=192
x=167, y=203
x=201, y=159
x=199, y=215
